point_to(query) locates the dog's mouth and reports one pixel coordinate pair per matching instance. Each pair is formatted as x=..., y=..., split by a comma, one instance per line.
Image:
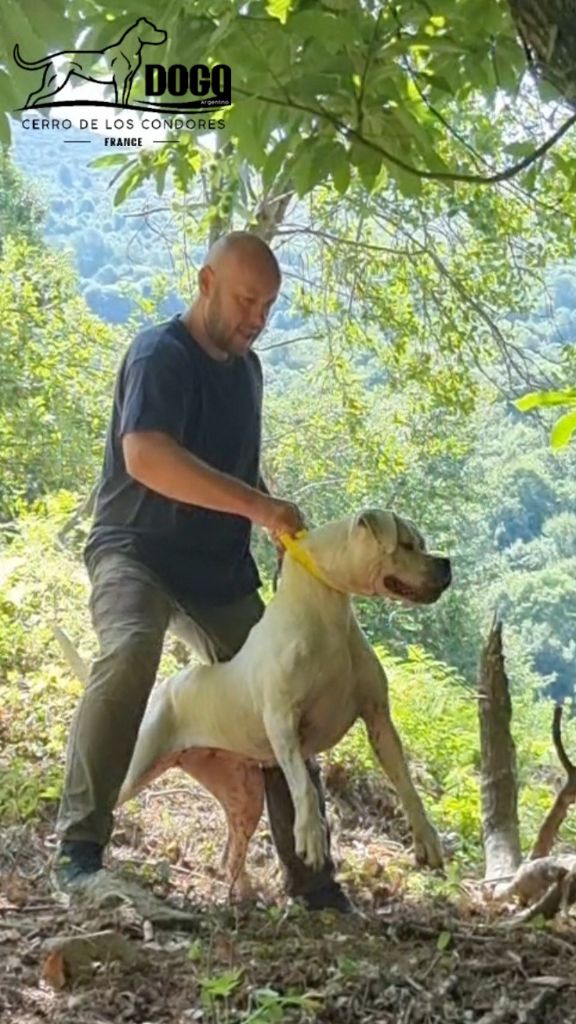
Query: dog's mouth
x=398, y=588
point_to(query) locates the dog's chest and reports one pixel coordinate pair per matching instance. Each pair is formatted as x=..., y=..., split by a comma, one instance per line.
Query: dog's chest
x=329, y=706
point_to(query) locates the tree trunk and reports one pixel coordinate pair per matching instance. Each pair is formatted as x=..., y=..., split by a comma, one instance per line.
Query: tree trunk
x=548, y=30
x=499, y=788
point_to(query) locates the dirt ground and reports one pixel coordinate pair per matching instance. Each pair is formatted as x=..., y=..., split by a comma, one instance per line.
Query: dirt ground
x=416, y=953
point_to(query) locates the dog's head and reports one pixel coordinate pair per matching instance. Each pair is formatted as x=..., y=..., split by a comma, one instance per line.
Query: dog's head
x=379, y=554
x=148, y=33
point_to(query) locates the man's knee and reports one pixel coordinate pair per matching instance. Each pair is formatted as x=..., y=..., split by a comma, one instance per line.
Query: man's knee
x=219, y=633
x=126, y=667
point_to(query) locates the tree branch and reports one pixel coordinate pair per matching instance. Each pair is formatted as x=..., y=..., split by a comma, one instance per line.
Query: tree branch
x=352, y=134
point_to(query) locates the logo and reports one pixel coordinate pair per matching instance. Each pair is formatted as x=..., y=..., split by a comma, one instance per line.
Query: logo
x=117, y=65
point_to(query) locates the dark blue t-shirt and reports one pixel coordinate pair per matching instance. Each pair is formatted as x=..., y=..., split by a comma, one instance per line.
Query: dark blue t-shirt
x=168, y=383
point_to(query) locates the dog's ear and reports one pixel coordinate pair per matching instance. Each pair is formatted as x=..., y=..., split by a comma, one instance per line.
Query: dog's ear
x=418, y=537
x=382, y=524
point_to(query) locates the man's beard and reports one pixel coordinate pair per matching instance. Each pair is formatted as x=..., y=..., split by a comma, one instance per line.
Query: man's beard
x=217, y=332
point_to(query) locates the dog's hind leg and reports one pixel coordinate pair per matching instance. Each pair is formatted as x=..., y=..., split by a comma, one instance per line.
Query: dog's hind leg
x=238, y=785
x=387, y=746
x=51, y=85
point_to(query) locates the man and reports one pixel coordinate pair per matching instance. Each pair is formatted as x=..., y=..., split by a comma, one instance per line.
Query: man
x=169, y=546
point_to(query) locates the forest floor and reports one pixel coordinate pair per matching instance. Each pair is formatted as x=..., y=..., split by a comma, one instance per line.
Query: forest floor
x=419, y=952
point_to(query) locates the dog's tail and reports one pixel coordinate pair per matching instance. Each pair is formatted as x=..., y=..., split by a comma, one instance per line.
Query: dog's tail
x=155, y=749
x=72, y=657
x=30, y=63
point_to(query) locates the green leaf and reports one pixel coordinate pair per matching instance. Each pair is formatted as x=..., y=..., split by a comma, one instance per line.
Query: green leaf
x=246, y=121
x=548, y=92
x=161, y=178
x=340, y=170
x=130, y=183
x=368, y=162
x=279, y=9
x=274, y=160
x=529, y=178
x=313, y=162
x=57, y=31
x=441, y=83
x=520, y=149
x=5, y=133
x=326, y=154
x=540, y=399
x=20, y=30
x=301, y=170
x=195, y=950
x=111, y=160
x=444, y=940
x=331, y=30
x=563, y=429
x=409, y=184
x=9, y=98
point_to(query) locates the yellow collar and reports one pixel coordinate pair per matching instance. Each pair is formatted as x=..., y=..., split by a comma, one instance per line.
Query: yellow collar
x=304, y=558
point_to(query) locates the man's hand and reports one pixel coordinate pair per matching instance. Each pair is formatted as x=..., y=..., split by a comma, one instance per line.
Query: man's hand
x=280, y=516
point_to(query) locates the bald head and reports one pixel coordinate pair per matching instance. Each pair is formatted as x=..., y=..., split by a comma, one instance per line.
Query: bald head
x=243, y=247
x=238, y=284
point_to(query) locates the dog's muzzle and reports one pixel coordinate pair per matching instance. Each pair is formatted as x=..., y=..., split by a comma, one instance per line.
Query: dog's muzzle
x=438, y=580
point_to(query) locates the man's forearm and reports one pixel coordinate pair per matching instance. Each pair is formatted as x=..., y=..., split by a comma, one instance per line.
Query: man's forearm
x=161, y=464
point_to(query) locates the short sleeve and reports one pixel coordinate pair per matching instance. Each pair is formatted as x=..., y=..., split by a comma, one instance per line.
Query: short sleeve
x=155, y=396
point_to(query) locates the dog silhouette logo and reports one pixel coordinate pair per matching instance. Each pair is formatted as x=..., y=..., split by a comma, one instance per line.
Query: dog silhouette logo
x=115, y=65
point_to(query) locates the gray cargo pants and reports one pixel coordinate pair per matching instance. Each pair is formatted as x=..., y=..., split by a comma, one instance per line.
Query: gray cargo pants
x=131, y=612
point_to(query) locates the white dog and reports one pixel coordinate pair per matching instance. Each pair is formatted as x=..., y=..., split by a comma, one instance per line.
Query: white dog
x=304, y=675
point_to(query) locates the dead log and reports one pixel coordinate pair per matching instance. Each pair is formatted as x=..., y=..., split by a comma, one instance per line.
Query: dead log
x=543, y=887
x=498, y=785
x=566, y=796
x=546, y=884
x=534, y=878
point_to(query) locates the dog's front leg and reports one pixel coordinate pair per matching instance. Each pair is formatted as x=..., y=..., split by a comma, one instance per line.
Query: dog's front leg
x=310, y=838
x=387, y=746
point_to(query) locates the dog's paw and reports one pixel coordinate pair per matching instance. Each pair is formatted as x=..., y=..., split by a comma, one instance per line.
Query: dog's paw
x=428, y=849
x=311, y=842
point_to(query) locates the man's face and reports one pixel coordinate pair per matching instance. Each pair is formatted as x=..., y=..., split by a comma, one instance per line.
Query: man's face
x=238, y=299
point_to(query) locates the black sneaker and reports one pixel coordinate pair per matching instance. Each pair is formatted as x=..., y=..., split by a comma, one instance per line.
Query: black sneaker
x=77, y=861
x=328, y=897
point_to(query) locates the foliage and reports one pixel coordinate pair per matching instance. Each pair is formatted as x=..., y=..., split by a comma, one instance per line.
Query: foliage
x=21, y=211
x=42, y=583
x=56, y=372
x=317, y=87
x=437, y=718
x=566, y=425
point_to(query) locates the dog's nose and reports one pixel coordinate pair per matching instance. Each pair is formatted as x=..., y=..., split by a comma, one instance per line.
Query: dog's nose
x=445, y=570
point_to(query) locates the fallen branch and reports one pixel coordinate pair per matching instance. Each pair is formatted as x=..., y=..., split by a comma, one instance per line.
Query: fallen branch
x=564, y=799
x=543, y=886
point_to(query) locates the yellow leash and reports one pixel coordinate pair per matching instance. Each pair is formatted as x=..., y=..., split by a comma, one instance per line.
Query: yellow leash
x=303, y=557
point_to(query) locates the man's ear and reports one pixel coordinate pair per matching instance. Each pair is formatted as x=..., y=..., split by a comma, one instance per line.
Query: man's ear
x=382, y=524
x=205, y=280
